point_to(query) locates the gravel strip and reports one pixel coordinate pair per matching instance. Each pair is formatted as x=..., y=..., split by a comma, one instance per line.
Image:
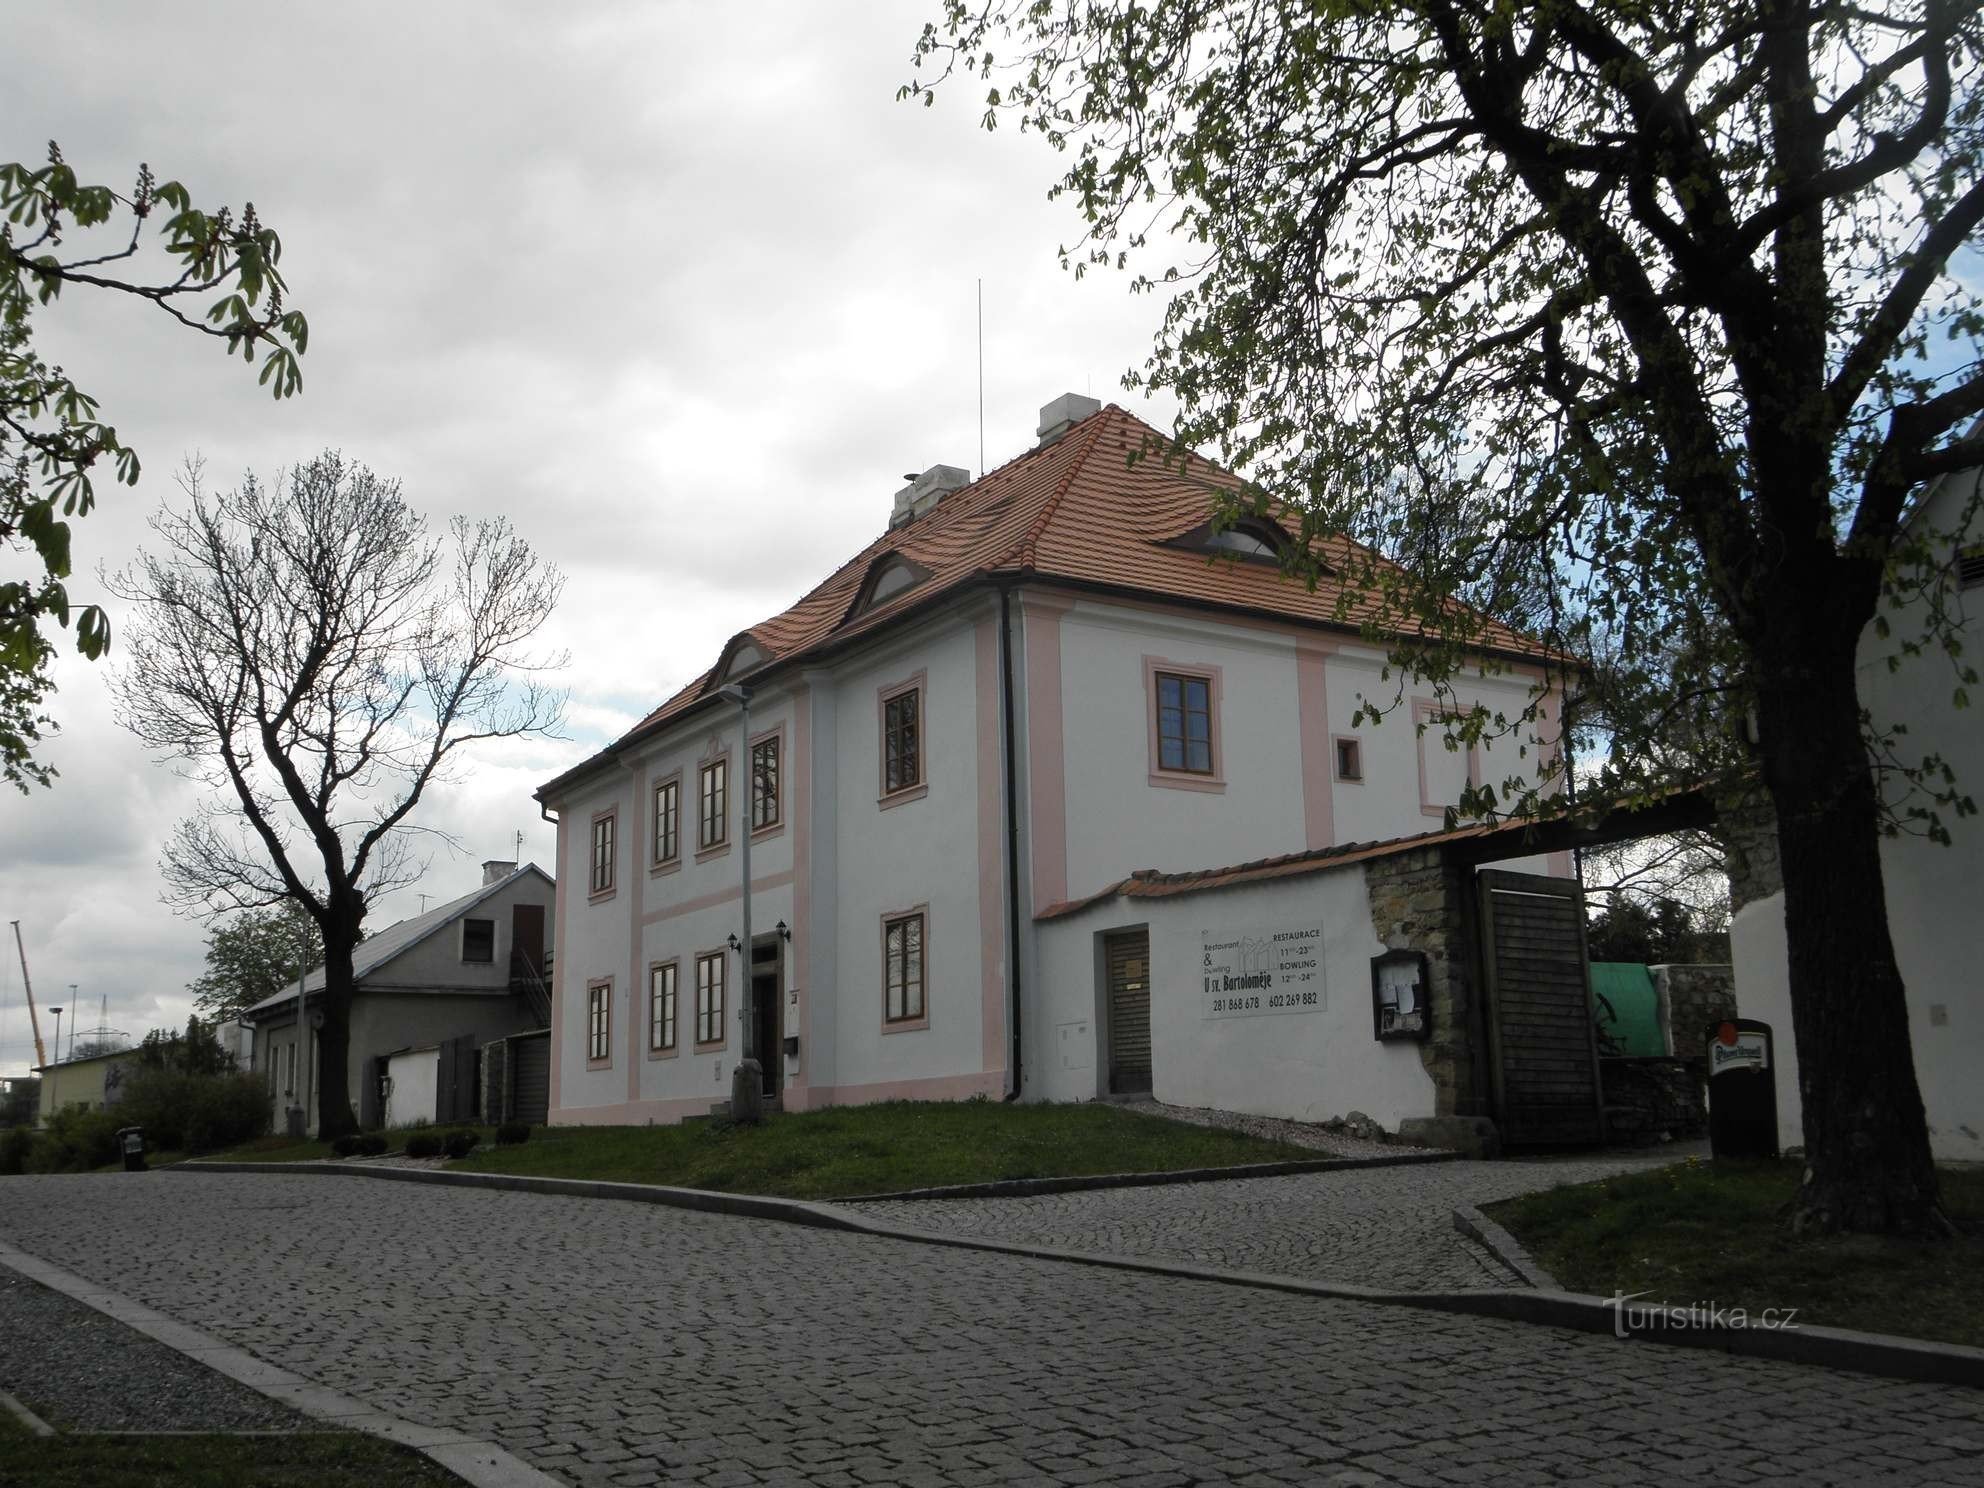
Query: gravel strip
x=1275, y=1129
x=79, y=1370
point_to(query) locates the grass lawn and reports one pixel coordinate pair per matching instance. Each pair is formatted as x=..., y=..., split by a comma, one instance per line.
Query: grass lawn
x=848, y=1150
x=1706, y=1231
x=306, y=1460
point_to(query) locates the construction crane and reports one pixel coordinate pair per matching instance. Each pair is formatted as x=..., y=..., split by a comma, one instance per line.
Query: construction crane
x=34, y=1022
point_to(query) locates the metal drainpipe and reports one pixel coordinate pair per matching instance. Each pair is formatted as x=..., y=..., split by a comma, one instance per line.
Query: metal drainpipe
x=1006, y=749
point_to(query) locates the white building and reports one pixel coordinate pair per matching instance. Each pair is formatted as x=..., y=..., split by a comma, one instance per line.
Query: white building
x=1932, y=890
x=1026, y=689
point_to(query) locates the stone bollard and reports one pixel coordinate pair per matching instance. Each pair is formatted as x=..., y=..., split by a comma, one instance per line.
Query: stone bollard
x=747, y=1093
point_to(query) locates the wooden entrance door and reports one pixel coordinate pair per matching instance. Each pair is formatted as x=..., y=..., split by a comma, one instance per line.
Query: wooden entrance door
x=1127, y=957
x=1543, y=1043
x=768, y=1011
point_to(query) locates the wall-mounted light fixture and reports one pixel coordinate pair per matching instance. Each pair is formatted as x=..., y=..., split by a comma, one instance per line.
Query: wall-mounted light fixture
x=784, y=931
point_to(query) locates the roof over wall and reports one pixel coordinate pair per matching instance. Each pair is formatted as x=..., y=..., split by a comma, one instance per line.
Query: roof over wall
x=1101, y=508
x=1483, y=842
x=375, y=951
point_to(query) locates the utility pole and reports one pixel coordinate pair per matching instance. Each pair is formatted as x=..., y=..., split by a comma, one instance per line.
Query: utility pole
x=747, y=1083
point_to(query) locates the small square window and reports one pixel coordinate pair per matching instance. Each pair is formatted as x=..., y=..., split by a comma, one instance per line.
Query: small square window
x=1349, y=759
x=478, y=940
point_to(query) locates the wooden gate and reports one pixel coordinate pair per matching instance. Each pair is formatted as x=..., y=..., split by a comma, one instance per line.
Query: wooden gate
x=530, y=1078
x=1128, y=958
x=1543, y=1046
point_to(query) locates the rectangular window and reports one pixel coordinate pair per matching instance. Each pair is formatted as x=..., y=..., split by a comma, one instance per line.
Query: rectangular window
x=764, y=784
x=661, y=1008
x=478, y=940
x=902, y=969
x=602, y=854
x=902, y=741
x=1349, y=760
x=599, y=1022
x=709, y=998
x=1184, y=723
x=667, y=820
x=713, y=824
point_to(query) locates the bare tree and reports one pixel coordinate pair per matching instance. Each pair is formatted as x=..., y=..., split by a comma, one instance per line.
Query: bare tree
x=311, y=653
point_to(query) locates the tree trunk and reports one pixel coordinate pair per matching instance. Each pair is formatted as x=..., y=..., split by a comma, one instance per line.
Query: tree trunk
x=1867, y=1163
x=335, y=1117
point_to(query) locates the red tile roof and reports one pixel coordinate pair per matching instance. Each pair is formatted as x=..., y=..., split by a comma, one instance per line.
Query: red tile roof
x=1101, y=507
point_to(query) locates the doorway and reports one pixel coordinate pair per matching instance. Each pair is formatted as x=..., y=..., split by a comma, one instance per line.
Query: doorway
x=768, y=1011
x=1126, y=957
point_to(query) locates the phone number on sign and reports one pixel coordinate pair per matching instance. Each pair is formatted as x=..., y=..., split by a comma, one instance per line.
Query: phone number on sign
x=1293, y=1000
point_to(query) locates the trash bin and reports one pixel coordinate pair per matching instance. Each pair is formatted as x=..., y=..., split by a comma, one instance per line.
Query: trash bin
x=131, y=1142
x=1742, y=1089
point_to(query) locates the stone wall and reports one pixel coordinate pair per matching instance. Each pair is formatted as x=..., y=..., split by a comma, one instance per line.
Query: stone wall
x=1691, y=998
x=1653, y=1100
x=1419, y=902
x=1748, y=829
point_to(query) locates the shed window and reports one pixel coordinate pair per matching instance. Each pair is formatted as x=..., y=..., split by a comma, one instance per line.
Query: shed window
x=478, y=940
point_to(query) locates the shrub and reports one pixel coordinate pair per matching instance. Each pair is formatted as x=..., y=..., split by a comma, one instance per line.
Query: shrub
x=372, y=1144
x=188, y=1112
x=16, y=1142
x=345, y=1146
x=460, y=1143
x=423, y=1144
x=512, y=1133
x=77, y=1141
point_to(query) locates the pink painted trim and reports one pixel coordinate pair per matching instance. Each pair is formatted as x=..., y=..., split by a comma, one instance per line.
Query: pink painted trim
x=1312, y=713
x=936, y=1088
x=647, y=1023
x=720, y=896
x=802, y=883
x=919, y=683
x=906, y=1025
x=600, y=896
x=1046, y=765
x=1184, y=779
x=991, y=855
x=559, y=1002
x=635, y=1113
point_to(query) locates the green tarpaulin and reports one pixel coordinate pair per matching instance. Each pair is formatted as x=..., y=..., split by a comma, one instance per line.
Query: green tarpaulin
x=1627, y=1010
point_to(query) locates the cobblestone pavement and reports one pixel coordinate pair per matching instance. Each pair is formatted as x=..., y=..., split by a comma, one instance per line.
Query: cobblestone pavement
x=631, y=1345
x=1384, y=1227
x=79, y=1370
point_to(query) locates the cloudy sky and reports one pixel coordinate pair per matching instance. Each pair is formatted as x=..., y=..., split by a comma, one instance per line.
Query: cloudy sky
x=679, y=289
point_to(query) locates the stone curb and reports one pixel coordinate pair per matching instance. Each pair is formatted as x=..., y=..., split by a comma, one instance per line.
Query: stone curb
x=35, y=1425
x=1833, y=1348
x=1504, y=1247
x=480, y=1463
x=1018, y=1188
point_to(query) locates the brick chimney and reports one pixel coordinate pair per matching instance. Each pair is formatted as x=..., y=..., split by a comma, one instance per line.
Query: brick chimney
x=495, y=870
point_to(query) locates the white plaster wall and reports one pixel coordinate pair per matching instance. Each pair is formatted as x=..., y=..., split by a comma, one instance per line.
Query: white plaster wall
x=437, y=960
x=1932, y=891
x=416, y=1086
x=1309, y=1066
x=1117, y=820
x=921, y=852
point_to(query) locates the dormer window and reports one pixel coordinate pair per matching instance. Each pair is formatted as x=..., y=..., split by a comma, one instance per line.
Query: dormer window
x=747, y=657
x=892, y=574
x=1247, y=541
